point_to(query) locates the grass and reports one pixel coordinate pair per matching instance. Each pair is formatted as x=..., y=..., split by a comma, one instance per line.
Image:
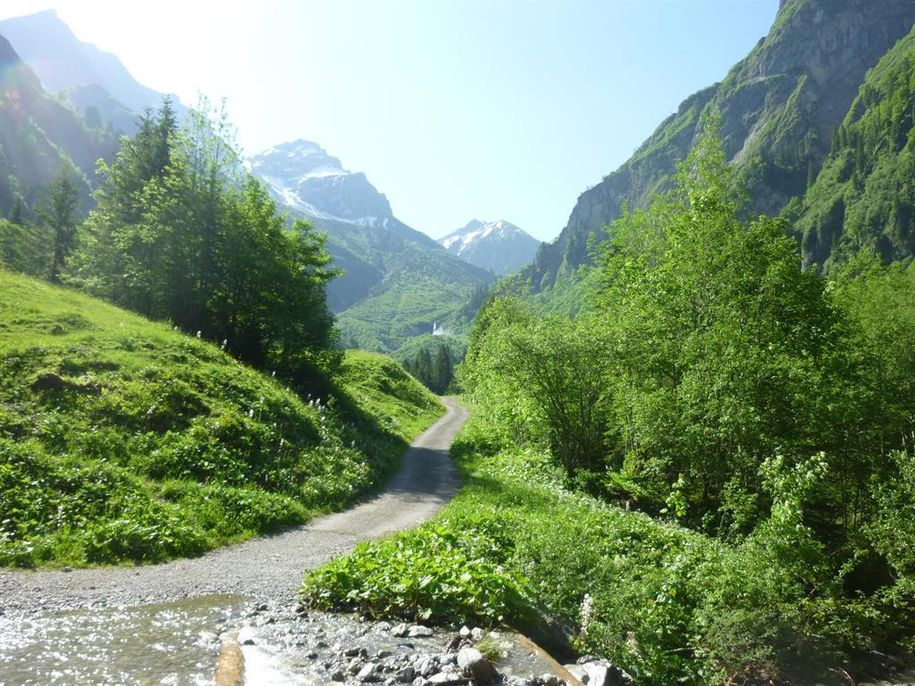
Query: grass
x=667, y=604
x=123, y=440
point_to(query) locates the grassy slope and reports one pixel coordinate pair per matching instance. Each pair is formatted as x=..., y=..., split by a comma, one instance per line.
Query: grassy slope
x=121, y=439
x=667, y=604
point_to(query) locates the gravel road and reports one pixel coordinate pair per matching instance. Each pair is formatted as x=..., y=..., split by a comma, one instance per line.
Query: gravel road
x=268, y=568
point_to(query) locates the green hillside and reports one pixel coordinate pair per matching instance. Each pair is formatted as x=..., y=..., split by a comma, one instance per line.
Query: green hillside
x=397, y=284
x=121, y=439
x=864, y=196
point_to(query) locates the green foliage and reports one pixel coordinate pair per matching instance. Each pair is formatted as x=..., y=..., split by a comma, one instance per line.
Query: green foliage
x=863, y=197
x=58, y=213
x=667, y=604
x=544, y=378
x=720, y=345
x=728, y=388
x=121, y=439
x=393, y=399
x=180, y=234
x=437, y=572
x=21, y=248
x=432, y=364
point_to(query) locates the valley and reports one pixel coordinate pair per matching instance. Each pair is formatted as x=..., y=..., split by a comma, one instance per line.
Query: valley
x=249, y=414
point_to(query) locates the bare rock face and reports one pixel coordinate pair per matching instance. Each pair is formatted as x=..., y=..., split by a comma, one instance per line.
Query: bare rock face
x=780, y=107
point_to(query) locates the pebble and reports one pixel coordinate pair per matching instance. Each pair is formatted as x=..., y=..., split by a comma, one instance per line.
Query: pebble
x=418, y=631
x=367, y=672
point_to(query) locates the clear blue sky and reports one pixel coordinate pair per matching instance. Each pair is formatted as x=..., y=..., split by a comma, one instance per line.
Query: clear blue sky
x=455, y=110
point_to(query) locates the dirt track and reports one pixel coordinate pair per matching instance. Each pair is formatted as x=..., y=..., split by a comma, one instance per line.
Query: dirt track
x=268, y=567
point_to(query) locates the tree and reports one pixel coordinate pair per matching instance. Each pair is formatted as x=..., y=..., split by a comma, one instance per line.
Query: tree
x=17, y=212
x=58, y=214
x=543, y=380
x=181, y=232
x=442, y=370
x=722, y=346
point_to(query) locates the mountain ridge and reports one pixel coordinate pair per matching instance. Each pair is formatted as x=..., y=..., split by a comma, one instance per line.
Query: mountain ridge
x=64, y=63
x=779, y=107
x=38, y=135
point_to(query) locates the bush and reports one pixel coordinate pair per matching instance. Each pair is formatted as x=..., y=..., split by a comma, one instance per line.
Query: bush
x=437, y=572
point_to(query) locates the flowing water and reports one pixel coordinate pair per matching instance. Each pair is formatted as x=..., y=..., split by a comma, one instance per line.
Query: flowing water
x=173, y=643
x=178, y=643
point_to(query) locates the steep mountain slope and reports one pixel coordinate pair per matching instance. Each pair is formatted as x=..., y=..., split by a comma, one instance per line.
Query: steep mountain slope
x=865, y=194
x=38, y=134
x=108, y=111
x=64, y=63
x=498, y=246
x=398, y=282
x=780, y=108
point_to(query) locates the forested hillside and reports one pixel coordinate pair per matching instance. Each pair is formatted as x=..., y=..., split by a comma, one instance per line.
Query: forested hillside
x=38, y=136
x=781, y=107
x=863, y=197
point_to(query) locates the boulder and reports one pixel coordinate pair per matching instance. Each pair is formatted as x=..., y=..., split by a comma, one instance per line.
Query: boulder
x=474, y=665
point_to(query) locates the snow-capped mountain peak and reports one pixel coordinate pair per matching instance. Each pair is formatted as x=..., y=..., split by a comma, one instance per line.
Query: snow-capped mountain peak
x=499, y=246
x=305, y=177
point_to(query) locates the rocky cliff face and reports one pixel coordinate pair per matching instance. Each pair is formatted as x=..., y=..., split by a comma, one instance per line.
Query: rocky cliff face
x=780, y=108
x=864, y=196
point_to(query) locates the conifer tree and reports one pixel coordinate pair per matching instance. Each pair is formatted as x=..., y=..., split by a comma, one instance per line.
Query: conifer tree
x=58, y=214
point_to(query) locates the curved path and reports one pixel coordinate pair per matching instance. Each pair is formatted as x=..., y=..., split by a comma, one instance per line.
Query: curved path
x=269, y=567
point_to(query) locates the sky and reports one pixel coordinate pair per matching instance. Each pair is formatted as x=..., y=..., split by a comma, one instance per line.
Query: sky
x=455, y=110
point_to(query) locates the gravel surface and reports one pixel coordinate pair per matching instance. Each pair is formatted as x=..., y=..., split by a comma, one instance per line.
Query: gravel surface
x=269, y=567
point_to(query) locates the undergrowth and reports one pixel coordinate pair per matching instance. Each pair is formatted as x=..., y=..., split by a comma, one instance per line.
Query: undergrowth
x=668, y=604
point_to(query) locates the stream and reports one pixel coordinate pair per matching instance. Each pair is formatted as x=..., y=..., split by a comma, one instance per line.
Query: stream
x=171, y=643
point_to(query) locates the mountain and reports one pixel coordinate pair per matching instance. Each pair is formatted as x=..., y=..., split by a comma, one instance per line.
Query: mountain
x=398, y=282
x=310, y=180
x=865, y=194
x=498, y=246
x=92, y=97
x=780, y=108
x=65, y=63
x=38, y=135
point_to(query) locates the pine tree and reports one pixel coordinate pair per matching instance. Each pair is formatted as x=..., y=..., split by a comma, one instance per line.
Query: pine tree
x=17, y=211
x=442, y=370
x=59, y=218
